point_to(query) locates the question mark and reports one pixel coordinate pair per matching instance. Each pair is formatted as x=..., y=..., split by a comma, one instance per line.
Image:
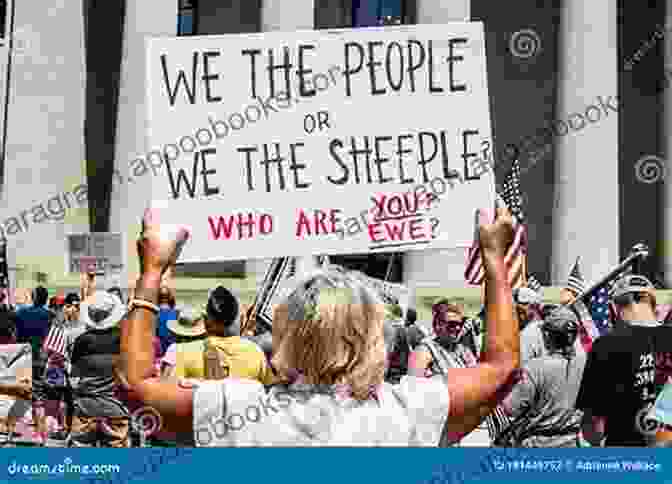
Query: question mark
x=486, y=150
x=435, y=224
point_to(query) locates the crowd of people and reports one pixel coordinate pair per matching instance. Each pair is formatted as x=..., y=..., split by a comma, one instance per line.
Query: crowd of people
x=338, y=367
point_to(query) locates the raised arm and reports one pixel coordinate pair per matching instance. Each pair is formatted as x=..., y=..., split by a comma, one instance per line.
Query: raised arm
x=87, y=284
x=475, y=392
x=158, y=248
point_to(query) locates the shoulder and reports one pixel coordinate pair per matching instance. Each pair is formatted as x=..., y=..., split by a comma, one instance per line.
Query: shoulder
x=216, y=400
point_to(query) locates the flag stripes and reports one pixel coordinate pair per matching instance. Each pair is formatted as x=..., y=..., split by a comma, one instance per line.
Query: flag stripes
x=55, y=343
x=516, y=256
x=515, y=261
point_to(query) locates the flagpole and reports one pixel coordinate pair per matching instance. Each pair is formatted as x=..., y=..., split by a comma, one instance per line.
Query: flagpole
x=389, y=267
x=638, y=252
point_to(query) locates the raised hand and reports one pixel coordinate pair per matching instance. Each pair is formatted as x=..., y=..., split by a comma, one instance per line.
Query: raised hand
x=497, y=236
x=158, y=245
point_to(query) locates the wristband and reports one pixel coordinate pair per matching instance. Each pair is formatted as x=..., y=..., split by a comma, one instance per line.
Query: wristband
x=141, y=303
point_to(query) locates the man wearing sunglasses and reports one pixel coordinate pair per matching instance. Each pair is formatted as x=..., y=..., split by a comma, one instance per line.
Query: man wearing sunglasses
x=434, y=356
x=445, y=350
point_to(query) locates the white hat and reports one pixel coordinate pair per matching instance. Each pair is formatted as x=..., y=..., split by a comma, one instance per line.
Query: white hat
x=525, y=295
x=102, y=310
x=188, y=323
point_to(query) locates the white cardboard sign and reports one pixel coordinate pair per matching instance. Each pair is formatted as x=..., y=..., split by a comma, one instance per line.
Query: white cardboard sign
x=315, y=142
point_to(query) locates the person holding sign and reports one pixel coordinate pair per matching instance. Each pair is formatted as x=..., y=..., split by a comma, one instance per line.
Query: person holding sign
x=330, y=332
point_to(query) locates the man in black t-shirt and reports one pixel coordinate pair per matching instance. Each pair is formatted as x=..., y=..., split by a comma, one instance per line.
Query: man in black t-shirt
x=626, y=370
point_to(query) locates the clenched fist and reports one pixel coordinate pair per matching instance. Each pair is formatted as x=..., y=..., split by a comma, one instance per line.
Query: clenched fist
x=496, y=237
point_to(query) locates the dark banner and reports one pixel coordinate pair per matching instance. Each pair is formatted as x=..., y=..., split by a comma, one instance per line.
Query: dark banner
x=643, y=163
x=522, y=50
x=104, y=34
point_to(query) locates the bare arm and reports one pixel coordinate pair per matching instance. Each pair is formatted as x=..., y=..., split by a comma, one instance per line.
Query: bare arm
x=157, y=252
x=475, y=392
x=88, y=285
x=136, y=366
x=418, y=362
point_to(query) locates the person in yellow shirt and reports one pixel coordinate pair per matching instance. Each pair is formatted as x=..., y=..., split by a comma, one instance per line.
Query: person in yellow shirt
x=224, y=353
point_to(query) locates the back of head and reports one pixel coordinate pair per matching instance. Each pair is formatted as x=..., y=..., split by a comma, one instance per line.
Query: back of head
x=223, y=306
x=330, y=330
x=40, y=296
x=636, y=295
x=561, y=328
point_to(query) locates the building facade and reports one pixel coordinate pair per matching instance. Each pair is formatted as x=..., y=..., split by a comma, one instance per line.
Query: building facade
x=73, y=120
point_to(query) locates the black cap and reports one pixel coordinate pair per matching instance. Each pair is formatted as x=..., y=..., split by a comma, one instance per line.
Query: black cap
x=223, y=305
x=40, y=296
x=72, y=298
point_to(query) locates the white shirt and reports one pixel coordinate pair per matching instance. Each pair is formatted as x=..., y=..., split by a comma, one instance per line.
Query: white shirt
x=412, y=413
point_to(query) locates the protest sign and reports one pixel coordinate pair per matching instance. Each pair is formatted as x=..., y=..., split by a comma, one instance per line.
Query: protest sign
x=269, y=141
x=97, y=251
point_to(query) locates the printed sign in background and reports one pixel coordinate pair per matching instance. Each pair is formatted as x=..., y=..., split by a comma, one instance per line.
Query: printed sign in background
x=257, y=174
x=99, y=251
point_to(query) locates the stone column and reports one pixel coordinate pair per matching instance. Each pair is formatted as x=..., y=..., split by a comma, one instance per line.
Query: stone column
x=279, y=15
x=45, y=134
x=129, y=199
x=438, y=267
x=586, y=205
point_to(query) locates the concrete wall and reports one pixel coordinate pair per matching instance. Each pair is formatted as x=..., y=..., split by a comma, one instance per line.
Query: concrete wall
x=45, y=137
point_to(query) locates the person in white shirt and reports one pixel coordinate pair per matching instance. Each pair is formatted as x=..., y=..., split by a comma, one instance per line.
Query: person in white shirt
x=329, y=353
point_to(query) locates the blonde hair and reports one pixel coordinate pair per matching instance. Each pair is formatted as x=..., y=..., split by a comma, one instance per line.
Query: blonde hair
x=330, y=331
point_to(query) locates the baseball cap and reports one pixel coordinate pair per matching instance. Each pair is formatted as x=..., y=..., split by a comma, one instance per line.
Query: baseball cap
x=58, y=300
x=632, y=283
x=102, y=311
x=525, y=295
x=72, y=298
x=561, y=320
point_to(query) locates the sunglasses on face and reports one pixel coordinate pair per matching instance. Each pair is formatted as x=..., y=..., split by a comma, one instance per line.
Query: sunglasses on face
x=452, y=324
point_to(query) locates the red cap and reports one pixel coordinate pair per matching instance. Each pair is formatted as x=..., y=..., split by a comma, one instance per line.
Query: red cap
x=59, y=300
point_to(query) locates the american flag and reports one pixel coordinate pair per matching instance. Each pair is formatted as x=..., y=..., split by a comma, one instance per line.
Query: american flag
x=515, y=260
x=595, y=318
x=56, y=343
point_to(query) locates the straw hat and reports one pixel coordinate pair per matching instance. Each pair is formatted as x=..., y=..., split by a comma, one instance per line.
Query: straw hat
x=102, y=311
x=188, y=323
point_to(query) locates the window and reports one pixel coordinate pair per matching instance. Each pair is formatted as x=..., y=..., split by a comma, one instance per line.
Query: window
x=369, y=13
x=3, y=18
x=186, y=17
